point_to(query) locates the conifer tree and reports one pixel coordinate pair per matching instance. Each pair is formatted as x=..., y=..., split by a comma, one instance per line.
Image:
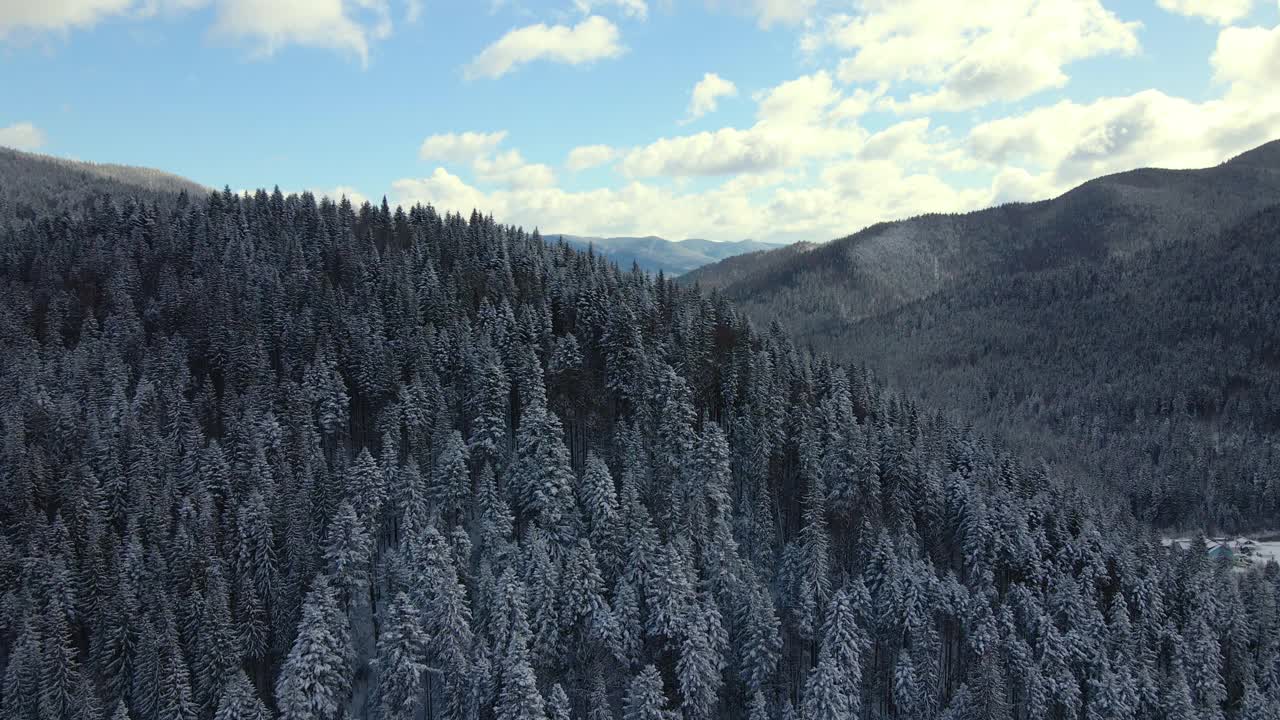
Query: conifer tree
x=598, y=707
x=518, y=696
x=597, y=496
x=347, y=554
x=315, y=682
x=122, y=713
x=240, y=435
x=239, y=701
x=402, y=649
x=757, y=708
x=558, y=704
x=824, y=695
x=451, y=481
x=699, y=667
x=645, y=698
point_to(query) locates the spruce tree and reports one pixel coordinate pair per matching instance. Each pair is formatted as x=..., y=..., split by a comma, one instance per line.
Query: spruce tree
x=315, y=681
x=645, y=698
x=238, y=700
x=400, y=666
x=558, y=704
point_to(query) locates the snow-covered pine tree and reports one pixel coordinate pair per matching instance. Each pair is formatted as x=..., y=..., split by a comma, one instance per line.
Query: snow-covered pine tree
x=315, y=681
x=400, y=665
x=238, y=700
x=645, y=697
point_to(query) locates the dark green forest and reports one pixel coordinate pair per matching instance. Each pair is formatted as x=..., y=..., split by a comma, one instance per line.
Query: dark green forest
x=272, y=456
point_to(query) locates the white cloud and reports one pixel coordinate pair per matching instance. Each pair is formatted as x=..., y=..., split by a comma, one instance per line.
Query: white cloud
x=635, y=208
x=637, y=9
x=707, y=93
x=724, y=152
x=508, y=169
x=797, y=120
x=1222, y=12
x=773, y=205
x=883, y=189
x=798, y=101
x=460, y=147
x=1068, y=143
x=343, y=25
x=806, y=170
x=972, y=53
x=22, y=136
x=915, y=143
x=594, y=38
x=783, y=12
x=38, y=16
x=151, y=8
x=857, y=104
x=589, y=156
x=336, y=194
x=511, y=170
x=1015, y=184
x=1248, y=59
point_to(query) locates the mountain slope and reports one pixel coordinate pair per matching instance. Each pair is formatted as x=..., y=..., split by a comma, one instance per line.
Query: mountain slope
x=653, y=253
x=890, y=264
x=1126, y=329
x=266, y=456
x=735, y=269
x=43, y=183
x=1160, y=369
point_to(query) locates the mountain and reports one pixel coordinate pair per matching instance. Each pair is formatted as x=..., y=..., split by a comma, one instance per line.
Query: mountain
x=653, y=253
x=1126, y=329
x=50, y=183
x=266, y=456
x=890, y=264
x=730, y=270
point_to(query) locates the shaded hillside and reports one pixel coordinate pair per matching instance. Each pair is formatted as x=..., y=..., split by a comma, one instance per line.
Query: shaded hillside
x=891, y=264
x=1160, y=369
x=32, y=184
x=739, y=267
x=653, y=253
x=1126, y=329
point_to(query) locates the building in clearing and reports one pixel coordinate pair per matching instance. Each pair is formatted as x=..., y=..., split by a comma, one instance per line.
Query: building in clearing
x=1222, y=551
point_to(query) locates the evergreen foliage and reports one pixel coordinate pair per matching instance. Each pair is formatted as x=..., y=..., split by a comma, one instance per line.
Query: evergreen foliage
x=268, y=456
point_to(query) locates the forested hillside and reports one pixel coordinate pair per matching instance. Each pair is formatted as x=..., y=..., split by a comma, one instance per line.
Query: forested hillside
x=1159, y=372
x=726, y=272
x=268, y=457
x=1125, y=331
x=32, y=185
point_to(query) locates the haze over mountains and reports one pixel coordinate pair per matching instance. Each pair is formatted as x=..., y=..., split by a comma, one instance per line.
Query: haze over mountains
x=653, y=253
x=1128, y=327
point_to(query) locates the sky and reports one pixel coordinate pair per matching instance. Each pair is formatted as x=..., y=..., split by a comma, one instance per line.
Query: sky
x=777, y=120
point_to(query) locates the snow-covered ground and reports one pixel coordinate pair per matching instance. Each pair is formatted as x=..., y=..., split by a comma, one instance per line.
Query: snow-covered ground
x=1254, y=552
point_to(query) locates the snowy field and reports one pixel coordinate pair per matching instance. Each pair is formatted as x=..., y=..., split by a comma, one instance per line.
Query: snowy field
x=1247, y=551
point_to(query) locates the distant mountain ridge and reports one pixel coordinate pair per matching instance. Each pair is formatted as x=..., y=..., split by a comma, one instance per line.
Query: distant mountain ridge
x=653, y=253
x=146, y=178
x=1128, y=328
x=890, y=264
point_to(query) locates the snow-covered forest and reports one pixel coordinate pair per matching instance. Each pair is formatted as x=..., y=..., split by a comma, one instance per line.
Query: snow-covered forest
x=275, y=457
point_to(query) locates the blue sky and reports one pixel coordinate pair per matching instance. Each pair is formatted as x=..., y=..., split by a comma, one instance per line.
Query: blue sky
x=772, y=119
